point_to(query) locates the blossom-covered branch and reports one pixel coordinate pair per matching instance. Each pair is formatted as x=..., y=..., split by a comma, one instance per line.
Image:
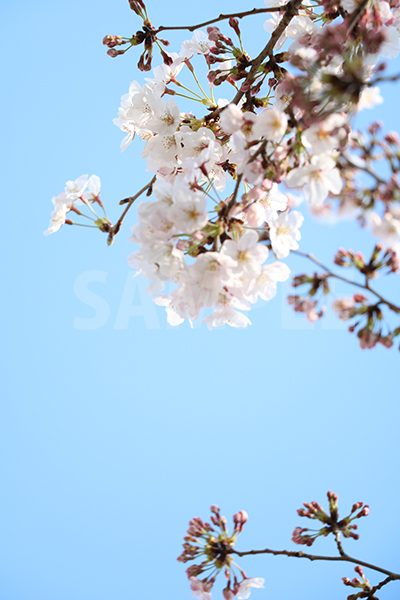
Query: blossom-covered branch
x=221, y=209
x=210, y=546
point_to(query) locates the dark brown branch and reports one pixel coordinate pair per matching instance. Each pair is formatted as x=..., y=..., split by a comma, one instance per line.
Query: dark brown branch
x=362, y=286
x=339, y=544
x=221, y=17
x=129, y=201
x=365, y=169
x=291, y=10
x=315, y=557
x=232, y=201
x=379, y=586
x=384, y=79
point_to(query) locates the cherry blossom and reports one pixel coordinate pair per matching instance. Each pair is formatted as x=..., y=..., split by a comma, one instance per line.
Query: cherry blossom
x=247, y=253
x=369, y=97
x=199, y=44
x=244, y=590
x=83, y=191
x=284, y=231
x=200, y=589
x=271, y=124
x=325, y=136
x=216, y=211
x=318, y=178
x=387, y=228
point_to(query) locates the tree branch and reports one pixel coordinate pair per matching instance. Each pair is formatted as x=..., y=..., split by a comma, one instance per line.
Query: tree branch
x=221, y=17
x=379, y=586
x=291, y=10
x=334, y=275
x=315, y=557
x=128, y=201
x=339, y=544
x=365, y=169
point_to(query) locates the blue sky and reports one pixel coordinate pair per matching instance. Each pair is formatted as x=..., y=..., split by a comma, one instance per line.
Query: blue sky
x=114, y=428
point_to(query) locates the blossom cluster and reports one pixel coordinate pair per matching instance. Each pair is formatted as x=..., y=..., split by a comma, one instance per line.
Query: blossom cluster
x=330, y=520
x=370, y=170
x=223, y=213
x=83, y=192
x=361, y=583
x=365, y=313
x=211, y=546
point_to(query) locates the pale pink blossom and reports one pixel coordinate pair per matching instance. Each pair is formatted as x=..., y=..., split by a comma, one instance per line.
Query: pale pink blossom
x=318, y=178
x=270, y=124
x=200, y=589
x=244, y=590
x=247, y=253
x=284, y=232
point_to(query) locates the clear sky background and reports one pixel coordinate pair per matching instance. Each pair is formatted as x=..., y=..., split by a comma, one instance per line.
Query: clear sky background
x=115, y=429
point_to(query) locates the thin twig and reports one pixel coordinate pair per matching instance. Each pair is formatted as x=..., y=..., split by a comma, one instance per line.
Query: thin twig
x=291, y=10
x=384, y=79
x=365, y=169
x=339, y=544
x=316, y=557
x=232, y=201
x=128, y=201
x=334, y=275
x=221, y=17
x=379, y=586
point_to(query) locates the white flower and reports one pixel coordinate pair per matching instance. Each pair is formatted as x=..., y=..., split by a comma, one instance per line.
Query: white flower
x=246, y=586
x=350, y=5
x=225, y=313
x=74, y=189
x=274, y=201
x=200, y=145
x=136, y=110
x=161, y=151
x=155, y=222
x=369, y=97
x=231, y=119
x=270, y=124
x=212, y=271
x=391, y=46
x=189, y=212
x=160, y=260
x=284, y=232
x=93, y=187
x=85, y=189
x=298, y=27
x=165, y=117
x=200, y=589
x=324, y=136
x=274, y=3
x=201, y=149
x=386, y=228
x=344, y=307
x=62, y=204
x=271, y=24
x=166, y=73
x=307, y=55
x=247, y=252
x=199, y=44
x=265, y=286
x=318, y=178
